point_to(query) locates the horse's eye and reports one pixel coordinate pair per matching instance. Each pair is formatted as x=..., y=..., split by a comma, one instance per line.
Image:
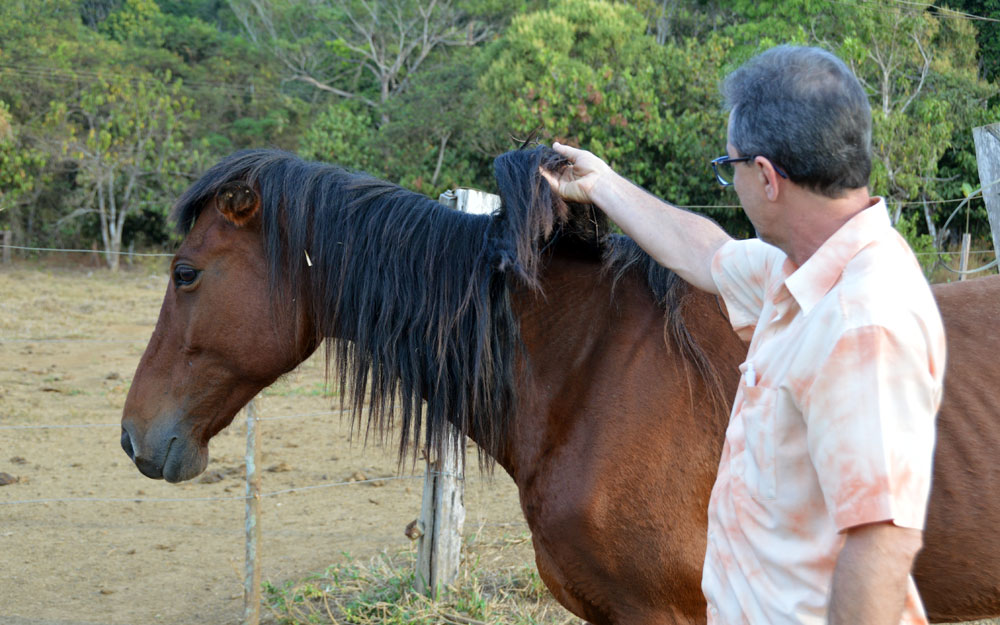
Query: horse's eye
x=184, y=275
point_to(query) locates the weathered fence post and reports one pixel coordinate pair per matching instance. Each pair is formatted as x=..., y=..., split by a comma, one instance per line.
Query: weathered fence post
x=442, y=516
x=963, y=265
x=442, y=513
x=987, y=140
x=6, y=246
x=251, y=579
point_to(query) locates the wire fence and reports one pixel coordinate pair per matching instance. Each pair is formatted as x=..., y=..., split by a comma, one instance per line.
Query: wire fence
x=275, y=530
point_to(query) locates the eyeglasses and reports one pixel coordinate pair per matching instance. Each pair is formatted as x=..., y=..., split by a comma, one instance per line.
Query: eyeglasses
x=725, y=170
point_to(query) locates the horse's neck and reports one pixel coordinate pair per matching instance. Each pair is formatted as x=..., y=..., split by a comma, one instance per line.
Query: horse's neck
x=598, y=352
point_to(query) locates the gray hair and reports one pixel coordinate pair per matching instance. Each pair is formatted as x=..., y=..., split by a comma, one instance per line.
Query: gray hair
x=803, y=109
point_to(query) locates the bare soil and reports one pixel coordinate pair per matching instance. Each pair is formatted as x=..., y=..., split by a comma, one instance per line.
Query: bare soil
x=85, y=538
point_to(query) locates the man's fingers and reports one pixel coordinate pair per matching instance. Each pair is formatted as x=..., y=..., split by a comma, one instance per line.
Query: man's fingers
x=551, y=177
x=567, y=151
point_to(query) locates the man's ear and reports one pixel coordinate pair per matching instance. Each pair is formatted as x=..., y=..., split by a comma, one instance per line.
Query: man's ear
x=770, y=177
x=238, y=202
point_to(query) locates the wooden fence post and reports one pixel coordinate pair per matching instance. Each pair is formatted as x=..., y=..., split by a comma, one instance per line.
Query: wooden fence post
x=6, y=246
x=251, y=579
x=963, y=264
x=442, y=516
x=442, y=513
x=987, y=140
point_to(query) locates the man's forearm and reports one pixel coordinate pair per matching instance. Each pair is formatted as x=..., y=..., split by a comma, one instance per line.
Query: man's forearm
x=678, y=239
x=870, y=580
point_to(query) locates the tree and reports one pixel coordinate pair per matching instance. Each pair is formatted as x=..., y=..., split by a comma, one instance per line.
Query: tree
x=585, y=72
x=125, y=137
x=432, y=142
x=362, y=50
x=342, y=134
x=987, y=25
x=918, y=65
x=19, y=164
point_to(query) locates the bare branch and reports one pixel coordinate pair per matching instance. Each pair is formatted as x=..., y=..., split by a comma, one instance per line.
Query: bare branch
x=344, y=94
x=923, y=73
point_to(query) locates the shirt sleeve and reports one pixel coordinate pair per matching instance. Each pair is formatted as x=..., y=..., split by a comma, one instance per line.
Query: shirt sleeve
x=744, y=271
x=870, y=416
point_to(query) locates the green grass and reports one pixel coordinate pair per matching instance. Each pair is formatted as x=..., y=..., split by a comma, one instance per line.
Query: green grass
x=382, y=591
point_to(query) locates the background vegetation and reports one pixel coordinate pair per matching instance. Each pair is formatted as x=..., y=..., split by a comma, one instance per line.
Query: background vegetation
x=109, y=108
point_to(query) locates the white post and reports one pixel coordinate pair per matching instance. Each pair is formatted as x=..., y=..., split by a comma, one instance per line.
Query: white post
x=987, y=139
x=251, y=579
x=442, y=516
x=442, y=512
x=6, y=246
x=963, y=264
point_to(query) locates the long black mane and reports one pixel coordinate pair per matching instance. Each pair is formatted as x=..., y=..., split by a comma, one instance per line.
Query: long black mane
x=413, y=297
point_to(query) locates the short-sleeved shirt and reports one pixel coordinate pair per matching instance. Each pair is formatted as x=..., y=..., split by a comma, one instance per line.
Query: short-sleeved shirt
x=833, y=423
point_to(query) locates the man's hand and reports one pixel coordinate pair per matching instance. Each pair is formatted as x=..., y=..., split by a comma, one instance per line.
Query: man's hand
x=870, y=580
x=577, y=181
x=675, y=238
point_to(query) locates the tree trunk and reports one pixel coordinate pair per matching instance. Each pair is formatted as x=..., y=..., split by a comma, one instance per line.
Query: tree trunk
x=440, y=159
x=931, y=228
x=113, y=237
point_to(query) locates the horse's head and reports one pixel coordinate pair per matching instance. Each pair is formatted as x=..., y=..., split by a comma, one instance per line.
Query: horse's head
x=221, y=337
x=414, y=297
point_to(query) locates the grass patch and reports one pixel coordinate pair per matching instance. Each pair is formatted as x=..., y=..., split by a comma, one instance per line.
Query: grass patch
x=382, y=591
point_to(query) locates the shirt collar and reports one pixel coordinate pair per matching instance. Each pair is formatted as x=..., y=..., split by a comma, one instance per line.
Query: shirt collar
x=813, y=280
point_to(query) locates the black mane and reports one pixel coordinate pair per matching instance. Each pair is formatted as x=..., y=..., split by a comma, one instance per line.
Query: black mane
x=417, y=294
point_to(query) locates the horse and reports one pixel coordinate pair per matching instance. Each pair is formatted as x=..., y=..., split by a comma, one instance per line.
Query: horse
x=597, y=379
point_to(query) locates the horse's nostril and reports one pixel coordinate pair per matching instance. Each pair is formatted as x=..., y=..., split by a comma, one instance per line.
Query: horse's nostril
x=127, y=444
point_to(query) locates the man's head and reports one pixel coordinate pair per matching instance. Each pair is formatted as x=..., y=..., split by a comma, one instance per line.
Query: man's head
x=805, y=111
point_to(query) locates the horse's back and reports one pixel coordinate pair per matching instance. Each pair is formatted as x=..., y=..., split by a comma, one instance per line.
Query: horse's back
x=958, y=571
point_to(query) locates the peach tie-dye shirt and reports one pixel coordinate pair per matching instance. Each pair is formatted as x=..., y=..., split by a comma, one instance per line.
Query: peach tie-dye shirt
x=833, y=422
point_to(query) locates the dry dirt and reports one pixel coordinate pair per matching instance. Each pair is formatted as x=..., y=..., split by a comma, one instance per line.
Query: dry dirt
x=85, y=538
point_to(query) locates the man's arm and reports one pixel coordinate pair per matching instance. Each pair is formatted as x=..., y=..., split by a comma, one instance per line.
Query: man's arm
x=870, y=579
x=678, y=239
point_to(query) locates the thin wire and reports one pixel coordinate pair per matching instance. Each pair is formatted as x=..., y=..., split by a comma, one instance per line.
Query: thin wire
x=229, y=498
x=58, y=427
x=53, y=249
x=31, y=340
x=947, y=253
x=99, y=425
x=941, y=13
x=66, y=75
x=305, y=414
x=916, y=203
x=970, y=271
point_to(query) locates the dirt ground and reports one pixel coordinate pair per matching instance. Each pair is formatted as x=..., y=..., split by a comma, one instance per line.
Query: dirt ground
x=85, y=538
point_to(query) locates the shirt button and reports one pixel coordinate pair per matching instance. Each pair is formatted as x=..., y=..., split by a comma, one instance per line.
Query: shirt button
x=712, y=609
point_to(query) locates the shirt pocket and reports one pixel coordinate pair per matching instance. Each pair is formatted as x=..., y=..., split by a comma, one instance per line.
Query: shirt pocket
x=758, y=468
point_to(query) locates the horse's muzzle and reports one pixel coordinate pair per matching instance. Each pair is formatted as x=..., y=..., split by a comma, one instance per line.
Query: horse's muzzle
x=166, y=451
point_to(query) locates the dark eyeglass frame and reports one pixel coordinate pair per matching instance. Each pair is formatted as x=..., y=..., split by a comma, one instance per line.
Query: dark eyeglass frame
x=724, y=160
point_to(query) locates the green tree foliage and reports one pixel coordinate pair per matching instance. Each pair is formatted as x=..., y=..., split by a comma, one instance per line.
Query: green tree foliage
x=19, y=166
x=358, y=49
x=125, y=137
x=343, y=134
x=987, y=22
x=919, y=66
x=585, y=72
x=427, y=92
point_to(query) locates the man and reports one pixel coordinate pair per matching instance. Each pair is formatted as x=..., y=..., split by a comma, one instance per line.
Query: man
x=819, y=503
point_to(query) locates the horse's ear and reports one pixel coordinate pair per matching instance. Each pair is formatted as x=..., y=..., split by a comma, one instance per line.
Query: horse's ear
x=238, y=202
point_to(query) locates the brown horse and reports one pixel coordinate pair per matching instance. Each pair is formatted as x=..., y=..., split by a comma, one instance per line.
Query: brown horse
x=598, y=380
